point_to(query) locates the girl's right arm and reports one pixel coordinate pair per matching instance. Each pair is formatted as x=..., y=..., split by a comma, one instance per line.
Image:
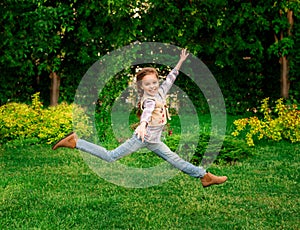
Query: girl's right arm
x=149, y=106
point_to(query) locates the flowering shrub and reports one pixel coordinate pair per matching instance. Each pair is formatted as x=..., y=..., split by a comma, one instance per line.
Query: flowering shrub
x=44, y=125
x=278, y=123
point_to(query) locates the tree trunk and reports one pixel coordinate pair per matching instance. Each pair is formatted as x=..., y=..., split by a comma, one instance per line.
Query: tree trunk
x=284, y=78
x=284, y=63
x=54, y=90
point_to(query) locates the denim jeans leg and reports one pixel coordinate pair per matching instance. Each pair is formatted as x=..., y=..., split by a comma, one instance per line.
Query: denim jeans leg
x=164, y=152
x=124, y=149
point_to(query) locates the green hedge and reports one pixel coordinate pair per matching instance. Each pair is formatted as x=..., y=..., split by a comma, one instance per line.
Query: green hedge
x=278, y=122
x=41, y=125
x=36, y=124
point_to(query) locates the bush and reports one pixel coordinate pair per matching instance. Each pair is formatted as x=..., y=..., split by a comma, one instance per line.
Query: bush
x=278, y=123
x=23, y=122
x=232, y=149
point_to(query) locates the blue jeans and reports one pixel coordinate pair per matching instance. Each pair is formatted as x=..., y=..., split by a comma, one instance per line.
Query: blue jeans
x=134, y=144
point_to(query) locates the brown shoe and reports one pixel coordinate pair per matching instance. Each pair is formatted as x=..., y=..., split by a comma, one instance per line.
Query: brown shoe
x=210, y=179
x=69, y=141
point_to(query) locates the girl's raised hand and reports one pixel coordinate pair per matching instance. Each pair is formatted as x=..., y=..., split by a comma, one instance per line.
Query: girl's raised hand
x=183, y=55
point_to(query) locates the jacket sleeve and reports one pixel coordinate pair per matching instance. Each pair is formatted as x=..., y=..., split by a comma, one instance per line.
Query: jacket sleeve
x=167, y=84
x=148, y=107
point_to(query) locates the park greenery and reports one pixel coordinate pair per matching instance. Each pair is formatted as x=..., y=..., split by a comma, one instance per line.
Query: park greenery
x=34, y=124
x=45, y=189
x=252, y=49
x=276, y=123
x=38, y=124
x=247, y=45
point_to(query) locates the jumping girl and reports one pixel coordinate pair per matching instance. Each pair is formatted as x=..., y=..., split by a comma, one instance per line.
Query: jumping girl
x=148, y=134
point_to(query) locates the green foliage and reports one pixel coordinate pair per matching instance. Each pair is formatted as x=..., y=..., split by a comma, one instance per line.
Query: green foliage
x=232, y=149
x=294, y=60
x=278, y=123
x=282, y=47
x=107, y=97
x=69, y=36
x=20, y=122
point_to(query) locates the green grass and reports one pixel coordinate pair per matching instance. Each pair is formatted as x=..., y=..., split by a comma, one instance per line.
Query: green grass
x=45, y=189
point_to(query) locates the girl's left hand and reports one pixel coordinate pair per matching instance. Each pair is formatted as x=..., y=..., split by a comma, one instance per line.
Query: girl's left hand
x=183, y=55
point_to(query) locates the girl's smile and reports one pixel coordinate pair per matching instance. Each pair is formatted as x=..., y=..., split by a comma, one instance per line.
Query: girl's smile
x=150, y=84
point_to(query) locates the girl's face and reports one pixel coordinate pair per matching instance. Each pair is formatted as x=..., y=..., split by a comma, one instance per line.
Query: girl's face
x=150, y=84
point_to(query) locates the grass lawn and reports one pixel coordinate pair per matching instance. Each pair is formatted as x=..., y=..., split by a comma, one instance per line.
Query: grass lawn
x=45, y=189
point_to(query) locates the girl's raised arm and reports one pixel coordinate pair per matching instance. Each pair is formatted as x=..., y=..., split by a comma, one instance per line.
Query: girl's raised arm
x=183, y=57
